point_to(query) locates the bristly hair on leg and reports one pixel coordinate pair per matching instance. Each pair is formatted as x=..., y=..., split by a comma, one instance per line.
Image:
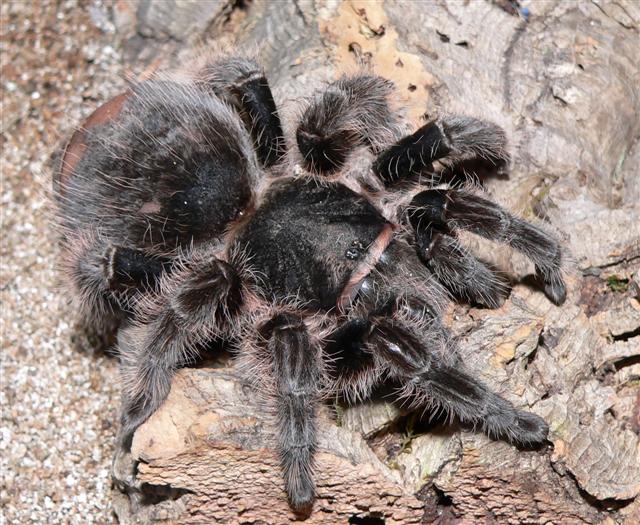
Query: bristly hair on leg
x=198, y=302
x=449, y=140
x=352, y=111
x=87, y=262
x=462, y=396
x=281, y=355
x=242, y=83
x=469, y=137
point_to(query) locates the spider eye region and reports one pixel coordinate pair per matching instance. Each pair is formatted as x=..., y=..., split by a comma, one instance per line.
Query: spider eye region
x=394, y=348
x=356, y=251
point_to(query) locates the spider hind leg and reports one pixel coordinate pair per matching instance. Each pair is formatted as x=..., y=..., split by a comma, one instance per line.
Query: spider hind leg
x=106, y=279
x=351, y=112
x=242, y=83
x=197, y=302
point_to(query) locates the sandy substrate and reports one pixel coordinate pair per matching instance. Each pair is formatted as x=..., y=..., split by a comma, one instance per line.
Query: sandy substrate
x=58, y=405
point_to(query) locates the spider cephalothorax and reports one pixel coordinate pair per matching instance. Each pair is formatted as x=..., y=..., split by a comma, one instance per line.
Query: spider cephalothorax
x=185, y=219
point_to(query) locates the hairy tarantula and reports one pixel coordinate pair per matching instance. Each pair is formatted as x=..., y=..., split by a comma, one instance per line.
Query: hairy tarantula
x=186, y=218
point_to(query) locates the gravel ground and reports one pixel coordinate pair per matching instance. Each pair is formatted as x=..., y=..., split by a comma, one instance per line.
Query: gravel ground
x=59, y=60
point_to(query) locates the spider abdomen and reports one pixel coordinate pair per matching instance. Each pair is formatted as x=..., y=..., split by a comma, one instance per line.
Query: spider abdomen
x=306, y=240
x=154, y=177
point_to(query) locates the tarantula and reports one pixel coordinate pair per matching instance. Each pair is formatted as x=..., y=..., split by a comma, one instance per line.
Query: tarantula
x=188, y=218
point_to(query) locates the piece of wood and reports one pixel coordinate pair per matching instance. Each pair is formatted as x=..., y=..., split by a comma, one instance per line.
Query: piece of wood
x=564, y=81
x=211, y=445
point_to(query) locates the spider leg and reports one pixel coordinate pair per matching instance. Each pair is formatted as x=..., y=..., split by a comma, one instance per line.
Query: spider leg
x=297, y=379
x=429, y=380
x=197, y=301
x=350, y=112
x=241, y=82
x=107, y=278
x=472, y=402
x=435, y=214
x=352, y=369
x=415, y=352
x=459, y=138
x=458, y=270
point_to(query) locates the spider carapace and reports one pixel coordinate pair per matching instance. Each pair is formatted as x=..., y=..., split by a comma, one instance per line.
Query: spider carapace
x=310, y=241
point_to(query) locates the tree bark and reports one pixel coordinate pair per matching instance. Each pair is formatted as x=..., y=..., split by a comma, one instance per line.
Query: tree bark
x=563, y=79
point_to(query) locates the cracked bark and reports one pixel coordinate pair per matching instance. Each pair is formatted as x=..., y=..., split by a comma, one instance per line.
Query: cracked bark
x=565, y=85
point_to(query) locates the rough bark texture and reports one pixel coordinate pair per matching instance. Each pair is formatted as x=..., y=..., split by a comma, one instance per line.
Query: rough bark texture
x=565, y=84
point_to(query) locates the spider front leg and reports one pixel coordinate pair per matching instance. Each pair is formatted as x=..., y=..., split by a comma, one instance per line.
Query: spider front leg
x=436, y=214
x=296, y=372
x=352, y=111
x=414, y=351
x=459, y=271
x=242, y=83
x=472, y=402
x=195, y=304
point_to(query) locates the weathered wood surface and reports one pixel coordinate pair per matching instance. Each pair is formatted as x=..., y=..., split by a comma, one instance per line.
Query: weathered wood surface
x=565, y=84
